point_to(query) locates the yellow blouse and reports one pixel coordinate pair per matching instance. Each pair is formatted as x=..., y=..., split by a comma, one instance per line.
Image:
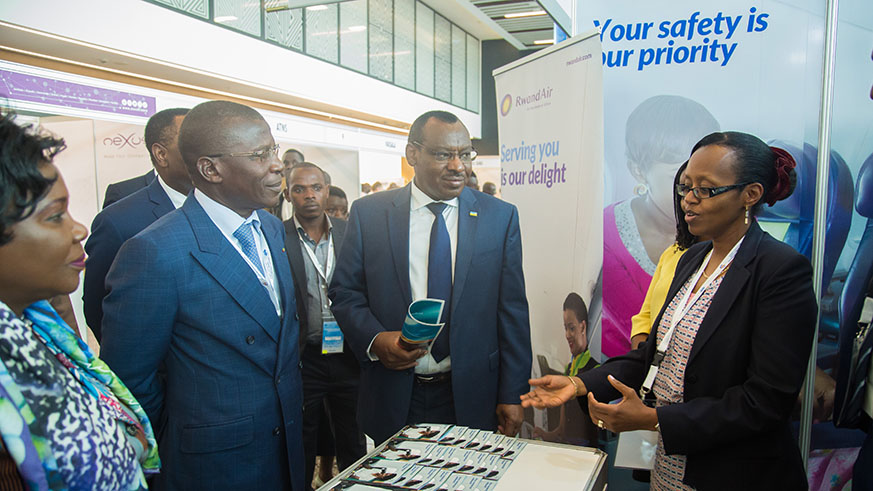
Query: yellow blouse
x=658, y=289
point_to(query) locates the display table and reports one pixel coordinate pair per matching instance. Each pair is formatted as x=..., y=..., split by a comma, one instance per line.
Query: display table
x=435, y=457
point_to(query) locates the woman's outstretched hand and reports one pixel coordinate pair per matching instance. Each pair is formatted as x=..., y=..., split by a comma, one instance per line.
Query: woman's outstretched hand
x=627, y=415
x=550, y=391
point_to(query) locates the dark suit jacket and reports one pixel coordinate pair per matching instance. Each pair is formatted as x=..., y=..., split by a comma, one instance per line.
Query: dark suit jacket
x=298, y=268
x=181, y=297
x=109, y=230
x=118, y=190
x=490, y=331
x=744, y=372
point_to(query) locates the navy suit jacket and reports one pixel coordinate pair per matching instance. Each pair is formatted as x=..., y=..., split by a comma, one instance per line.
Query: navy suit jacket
x=109, y=230
x=120, y=190
x=490, y=330
x=181, y=297
x=744, y=372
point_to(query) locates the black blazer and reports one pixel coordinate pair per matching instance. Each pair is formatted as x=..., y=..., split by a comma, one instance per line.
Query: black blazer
x=298, y=269
x=118, y=190
x=744, y=372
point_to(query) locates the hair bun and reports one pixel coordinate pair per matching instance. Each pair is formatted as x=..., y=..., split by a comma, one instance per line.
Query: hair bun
x=786, y=178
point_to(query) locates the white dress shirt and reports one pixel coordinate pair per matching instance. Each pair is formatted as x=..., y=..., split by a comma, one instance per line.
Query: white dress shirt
x=286, y=210
x=227, y=222
x=176, y=197
x=420, y=222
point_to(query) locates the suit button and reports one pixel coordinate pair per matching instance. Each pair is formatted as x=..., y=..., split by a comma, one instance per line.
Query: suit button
x=250, y=340
x=692, y=379
x=296, y=317
x=278, y=380
x=300, y=364
x=276, y=431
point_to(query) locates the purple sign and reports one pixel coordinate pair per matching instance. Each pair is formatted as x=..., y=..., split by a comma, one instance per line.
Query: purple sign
x=31, y=88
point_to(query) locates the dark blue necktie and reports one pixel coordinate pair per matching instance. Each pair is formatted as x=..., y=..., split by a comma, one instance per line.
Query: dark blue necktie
x=439, y=274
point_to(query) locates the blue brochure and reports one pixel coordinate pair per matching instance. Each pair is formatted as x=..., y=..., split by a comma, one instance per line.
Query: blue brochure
x=422, y=324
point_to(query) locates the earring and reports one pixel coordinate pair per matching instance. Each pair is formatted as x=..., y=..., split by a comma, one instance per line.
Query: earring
x=746, y=221
x=641, y=189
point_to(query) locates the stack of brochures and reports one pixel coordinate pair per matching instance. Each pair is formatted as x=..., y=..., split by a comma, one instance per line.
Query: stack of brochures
x=436, y=457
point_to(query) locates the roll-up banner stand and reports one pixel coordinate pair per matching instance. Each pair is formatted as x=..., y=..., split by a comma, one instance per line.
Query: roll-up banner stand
x=550, y=126
x=676, y=70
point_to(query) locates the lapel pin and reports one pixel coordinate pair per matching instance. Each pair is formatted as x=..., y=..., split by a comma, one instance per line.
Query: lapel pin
x=474, y=214
x=283, y=249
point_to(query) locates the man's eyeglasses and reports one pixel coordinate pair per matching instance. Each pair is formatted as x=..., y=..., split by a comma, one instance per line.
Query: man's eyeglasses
x=262, y=155
x=703, y=193
x=441, y=156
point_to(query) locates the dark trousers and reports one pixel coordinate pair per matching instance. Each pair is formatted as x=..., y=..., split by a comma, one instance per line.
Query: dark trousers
x=432, y=403
x=331, y=379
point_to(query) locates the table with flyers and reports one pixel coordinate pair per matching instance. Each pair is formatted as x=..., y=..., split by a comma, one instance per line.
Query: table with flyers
x=438, y=457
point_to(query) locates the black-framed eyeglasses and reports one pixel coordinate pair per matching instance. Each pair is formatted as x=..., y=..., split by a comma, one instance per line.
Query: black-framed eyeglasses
x=262, y=155
x=442, y=156
x=703, y=193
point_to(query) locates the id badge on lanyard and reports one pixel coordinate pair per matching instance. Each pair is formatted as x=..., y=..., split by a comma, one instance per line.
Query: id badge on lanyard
x=331, y=338
x=331, y=334
x=685, y=303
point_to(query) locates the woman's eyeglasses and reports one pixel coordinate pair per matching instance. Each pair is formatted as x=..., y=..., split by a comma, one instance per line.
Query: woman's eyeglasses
x=703, y=193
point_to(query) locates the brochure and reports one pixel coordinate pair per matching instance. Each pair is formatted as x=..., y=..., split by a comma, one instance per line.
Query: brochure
x=422, y=324
x=496, y=466
x=458, y=436
x=514, y=449
x=424, y=432
x=438, y=457
x=412, y=451
x=461, y=482
x=378, y=471
x=496, y=443
x=477, y=440
x=426, y=478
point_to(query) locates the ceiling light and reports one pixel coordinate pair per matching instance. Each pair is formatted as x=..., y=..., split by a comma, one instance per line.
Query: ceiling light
x=357, y=28
x=533, y=13
x=545, y=41
x=225, y=18
x=316, y=8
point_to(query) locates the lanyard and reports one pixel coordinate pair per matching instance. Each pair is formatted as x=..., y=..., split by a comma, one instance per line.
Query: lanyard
x=328, y=270
x=266, y=279
x=685, y=303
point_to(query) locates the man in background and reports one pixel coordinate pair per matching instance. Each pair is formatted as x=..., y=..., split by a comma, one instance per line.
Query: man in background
x=205, y=295
x=436, y=238
x=489, y=188
x=330, y=371
x=283, y=211
x=118, y=190
x=114, y=225
x=337, y=203
x=473, y=181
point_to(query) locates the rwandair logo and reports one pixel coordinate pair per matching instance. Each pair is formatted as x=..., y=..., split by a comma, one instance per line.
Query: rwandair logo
x=506, y=105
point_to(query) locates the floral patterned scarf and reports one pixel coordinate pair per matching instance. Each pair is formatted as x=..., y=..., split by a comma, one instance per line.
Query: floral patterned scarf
x=22, y=436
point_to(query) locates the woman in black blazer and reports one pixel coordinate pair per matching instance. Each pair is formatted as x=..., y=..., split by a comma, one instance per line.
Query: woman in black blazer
x=731, y=373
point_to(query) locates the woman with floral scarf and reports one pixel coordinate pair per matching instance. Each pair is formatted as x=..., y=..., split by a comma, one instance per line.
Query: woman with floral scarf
x=66, y=420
